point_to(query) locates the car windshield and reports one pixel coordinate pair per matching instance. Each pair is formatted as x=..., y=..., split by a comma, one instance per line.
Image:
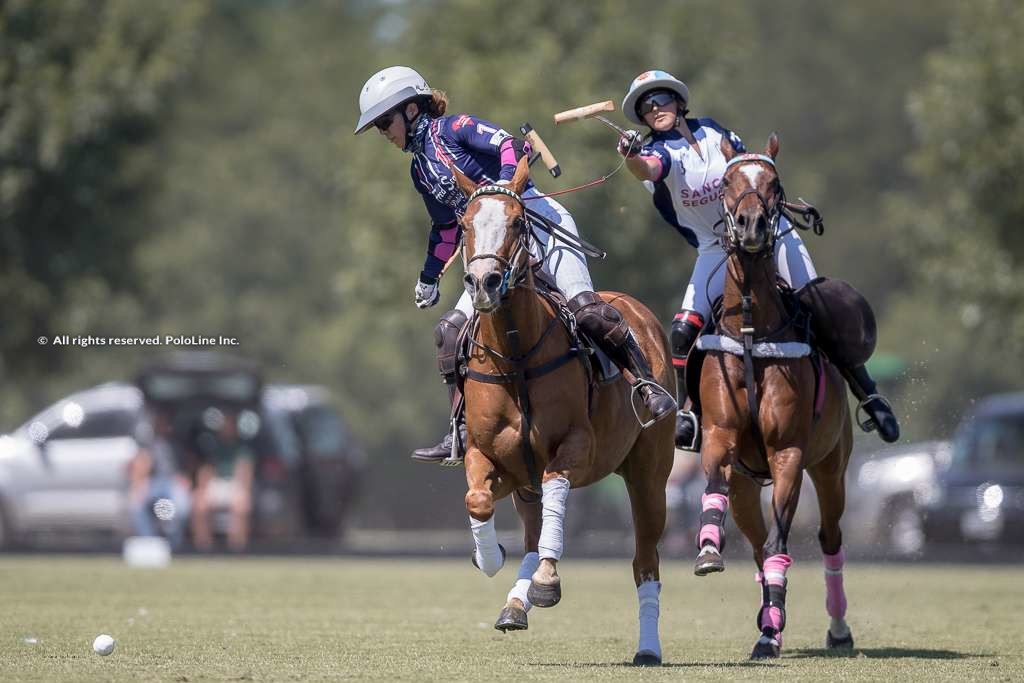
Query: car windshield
x=71, y=419
x=992, y=443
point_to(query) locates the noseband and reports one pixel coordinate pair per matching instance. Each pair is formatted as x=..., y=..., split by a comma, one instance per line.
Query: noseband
x=773, y=211
x=515, y=267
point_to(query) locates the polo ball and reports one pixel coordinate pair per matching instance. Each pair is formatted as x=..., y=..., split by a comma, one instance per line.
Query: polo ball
x=103, y=645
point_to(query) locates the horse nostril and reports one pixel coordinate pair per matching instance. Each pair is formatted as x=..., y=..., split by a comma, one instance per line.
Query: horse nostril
x=470, y=282
x=491, y=282
x=742, y=220
x=761, y=225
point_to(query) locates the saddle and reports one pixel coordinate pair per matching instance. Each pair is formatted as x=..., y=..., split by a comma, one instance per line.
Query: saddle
x=833, y=318
x=598, y=367
x=831, y=315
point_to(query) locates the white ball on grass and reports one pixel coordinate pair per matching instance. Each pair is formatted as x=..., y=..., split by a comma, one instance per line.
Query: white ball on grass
x=103, y=645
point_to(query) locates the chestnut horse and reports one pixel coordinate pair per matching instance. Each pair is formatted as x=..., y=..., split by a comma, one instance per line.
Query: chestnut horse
x=522, y=376
x=770, y=406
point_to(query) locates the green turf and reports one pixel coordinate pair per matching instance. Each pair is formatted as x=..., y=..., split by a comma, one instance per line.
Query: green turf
x=282, y=619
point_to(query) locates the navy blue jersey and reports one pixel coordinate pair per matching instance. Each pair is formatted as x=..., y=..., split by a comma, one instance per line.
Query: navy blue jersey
x=481, y=151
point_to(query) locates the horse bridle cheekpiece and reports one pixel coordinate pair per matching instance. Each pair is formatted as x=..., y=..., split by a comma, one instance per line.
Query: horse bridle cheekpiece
x=774, y=211
x=515, y=267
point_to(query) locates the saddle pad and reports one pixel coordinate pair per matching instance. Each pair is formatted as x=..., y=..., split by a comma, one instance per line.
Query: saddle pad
x=715, y=342
x=604, y=367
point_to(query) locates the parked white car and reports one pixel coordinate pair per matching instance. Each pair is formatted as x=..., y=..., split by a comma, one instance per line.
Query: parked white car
x=64, y=472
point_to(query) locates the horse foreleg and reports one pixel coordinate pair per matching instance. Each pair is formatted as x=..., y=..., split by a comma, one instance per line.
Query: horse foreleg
x=517, y=604
x=573, y=455
x=488, y=554
x=714, y=503
x=787, y=474
x=831, y=489
x=646, y=490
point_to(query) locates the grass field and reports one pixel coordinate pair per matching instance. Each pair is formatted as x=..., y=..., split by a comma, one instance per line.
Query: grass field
x=290, y=619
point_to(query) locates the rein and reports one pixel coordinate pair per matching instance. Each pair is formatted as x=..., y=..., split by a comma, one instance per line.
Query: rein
x=747, y=331
x=514, y=276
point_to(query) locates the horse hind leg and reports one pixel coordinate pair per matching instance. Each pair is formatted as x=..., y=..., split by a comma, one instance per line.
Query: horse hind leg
x=828, y=483
x=647, y=499
x=517, y=604
x=513, y=616
x=771, y=619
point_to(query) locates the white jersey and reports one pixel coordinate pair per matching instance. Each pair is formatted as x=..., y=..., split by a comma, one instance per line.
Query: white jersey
x=688, y=193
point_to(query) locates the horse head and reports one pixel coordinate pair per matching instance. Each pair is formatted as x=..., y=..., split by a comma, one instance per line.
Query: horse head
x=495, y=243
x=753, y=198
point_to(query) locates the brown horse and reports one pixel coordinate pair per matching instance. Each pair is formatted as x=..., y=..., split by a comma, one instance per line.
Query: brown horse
x=535, y=424
x=771, y=408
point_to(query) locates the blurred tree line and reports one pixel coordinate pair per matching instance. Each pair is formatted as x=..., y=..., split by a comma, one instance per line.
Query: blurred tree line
x=189, y=168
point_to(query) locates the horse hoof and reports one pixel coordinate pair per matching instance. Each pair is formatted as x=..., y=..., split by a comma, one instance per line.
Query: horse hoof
x=766, y=647
x=646, y=658
x=708, y=562
x=833, y=643
x=541, y=595
x=511, y=619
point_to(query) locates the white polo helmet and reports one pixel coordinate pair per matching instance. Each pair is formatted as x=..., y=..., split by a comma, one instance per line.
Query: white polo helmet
x=387, y=89
x=646, y=82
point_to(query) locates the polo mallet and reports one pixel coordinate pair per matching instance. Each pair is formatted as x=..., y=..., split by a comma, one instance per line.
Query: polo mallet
x=590, y=111
x=542, y=150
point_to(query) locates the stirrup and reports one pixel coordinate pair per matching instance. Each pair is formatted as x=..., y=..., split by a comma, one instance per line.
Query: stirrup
x=693, y=446
x=457, y=457
x=868, y=423
x=641, y=383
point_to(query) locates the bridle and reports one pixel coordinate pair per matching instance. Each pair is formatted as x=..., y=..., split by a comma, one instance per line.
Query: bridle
x=772, y=210
x=514, y=268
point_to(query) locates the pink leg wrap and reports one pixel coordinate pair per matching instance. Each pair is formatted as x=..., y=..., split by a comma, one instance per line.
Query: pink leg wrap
x=775, y=575
x=835, y=596
x=712, y=532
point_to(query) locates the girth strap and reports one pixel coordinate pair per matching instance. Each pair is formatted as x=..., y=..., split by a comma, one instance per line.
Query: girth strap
x=529, y=374
x=747, y=331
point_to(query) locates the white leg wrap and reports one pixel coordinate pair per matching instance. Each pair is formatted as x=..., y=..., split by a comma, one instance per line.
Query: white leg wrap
x=553, y=497
x=488, y=554
x=522, y=584
x=650, y=607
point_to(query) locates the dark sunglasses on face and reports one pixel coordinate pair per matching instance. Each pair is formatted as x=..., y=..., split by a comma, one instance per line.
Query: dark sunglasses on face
x=382, y=123
x=661, y=98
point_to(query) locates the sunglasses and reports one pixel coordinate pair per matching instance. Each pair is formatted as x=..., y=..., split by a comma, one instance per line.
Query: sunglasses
x=382, y=123
x=659, y=98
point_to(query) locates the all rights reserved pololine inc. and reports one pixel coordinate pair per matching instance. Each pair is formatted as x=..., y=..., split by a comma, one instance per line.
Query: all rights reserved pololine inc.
x=155, y=340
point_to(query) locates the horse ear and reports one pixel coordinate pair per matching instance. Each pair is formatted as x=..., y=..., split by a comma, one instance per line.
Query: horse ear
x=728, y=151
x=467, y=186
x=772, y=148
x=522, y=175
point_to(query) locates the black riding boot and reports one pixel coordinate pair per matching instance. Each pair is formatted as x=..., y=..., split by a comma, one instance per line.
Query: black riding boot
x=880, y=415
x=685, y=329
x=606, y=327
x=446, y=336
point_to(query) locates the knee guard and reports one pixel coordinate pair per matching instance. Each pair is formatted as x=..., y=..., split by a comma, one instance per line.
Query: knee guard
x=685, y=328
x=598, y=319
x=446, y=337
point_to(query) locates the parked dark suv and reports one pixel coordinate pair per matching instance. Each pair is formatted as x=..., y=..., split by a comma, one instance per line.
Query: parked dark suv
x=980, y=493
x=329, y=461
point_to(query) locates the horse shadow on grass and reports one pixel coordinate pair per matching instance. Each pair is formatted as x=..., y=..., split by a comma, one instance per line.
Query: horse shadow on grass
x=663, y=665
x=805, y=653
x=883, y=653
